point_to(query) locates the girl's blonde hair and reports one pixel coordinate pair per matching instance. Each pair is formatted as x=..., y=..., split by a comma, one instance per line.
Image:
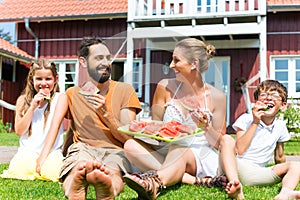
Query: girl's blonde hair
x=194, y=49
x=29, y=92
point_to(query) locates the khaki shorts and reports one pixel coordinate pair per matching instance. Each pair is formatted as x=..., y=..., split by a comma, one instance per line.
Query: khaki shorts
x=251, y=174
x=79, y=152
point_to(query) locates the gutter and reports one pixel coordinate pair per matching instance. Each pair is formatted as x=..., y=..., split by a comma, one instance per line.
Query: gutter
x=36, y=54
x=283, y=8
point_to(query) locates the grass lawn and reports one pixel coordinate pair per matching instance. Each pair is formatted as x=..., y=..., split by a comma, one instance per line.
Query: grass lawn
x=18, y=189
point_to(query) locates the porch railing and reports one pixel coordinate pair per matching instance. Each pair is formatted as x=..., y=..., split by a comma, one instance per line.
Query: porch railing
x=151, y=9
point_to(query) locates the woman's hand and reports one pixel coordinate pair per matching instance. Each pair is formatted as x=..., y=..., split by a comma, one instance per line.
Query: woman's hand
x=200, y=118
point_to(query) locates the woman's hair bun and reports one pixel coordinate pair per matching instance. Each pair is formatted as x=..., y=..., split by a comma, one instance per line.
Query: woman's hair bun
x=210, y=50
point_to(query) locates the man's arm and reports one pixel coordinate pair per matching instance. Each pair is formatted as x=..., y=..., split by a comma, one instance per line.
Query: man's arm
x=126, y=116
x=279, y=156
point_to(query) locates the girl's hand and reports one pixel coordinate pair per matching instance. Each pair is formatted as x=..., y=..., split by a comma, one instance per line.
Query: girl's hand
x=39, y=163
x=37, y=100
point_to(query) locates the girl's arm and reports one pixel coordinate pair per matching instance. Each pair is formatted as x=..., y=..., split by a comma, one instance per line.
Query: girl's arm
x=22, y=123
x=59, y=114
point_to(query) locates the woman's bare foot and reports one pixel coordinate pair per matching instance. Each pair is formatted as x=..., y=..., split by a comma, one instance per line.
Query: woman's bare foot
x=234, y=190
x=288, y=195
x=75, y=184
x=99, y=176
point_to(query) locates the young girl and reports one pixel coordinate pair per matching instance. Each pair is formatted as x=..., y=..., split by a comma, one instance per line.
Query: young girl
x=41, y=134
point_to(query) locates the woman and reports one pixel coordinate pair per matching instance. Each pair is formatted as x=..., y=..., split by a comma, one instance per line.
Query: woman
x=41, y=134
x=189, y=100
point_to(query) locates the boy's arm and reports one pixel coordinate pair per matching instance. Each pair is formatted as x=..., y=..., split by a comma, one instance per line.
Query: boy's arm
x=244, y=138
x=279, y=156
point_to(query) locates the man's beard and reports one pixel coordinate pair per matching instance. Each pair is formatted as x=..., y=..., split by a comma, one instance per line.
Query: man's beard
x=99, y=77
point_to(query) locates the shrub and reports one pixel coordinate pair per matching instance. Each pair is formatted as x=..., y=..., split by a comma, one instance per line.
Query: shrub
x=4, y=128
x=291, y=115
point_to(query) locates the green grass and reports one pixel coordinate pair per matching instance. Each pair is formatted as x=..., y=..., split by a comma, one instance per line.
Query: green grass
x=292, y=147
x=19, y=189
x=9, y=139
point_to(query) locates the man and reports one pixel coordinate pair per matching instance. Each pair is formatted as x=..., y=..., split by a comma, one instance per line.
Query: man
x=96, y=156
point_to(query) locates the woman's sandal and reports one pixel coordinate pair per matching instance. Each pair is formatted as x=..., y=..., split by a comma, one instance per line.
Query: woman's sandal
x=147, y=185
x=208, y=181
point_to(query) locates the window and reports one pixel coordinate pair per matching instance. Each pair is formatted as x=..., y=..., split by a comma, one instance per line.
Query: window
x=207, y=6
x=67, y=74
x=287, y=71
x=137, y=76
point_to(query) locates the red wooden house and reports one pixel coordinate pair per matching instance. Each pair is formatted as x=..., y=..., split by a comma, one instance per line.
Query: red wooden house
x=13, y=70
x=255, y=40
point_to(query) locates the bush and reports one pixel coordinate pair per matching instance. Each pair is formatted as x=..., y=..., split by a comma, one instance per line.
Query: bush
x=291, y=115
x=4, y=128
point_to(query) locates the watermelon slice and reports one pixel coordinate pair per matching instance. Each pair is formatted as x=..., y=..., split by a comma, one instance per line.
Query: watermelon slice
x=89, y=89
x=46, y=93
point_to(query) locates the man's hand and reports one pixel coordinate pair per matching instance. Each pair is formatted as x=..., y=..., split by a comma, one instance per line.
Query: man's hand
x=98, y=102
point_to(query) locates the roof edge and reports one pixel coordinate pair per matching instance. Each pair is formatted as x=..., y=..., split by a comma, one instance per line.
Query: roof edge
x=73, y=17
x=11, y=55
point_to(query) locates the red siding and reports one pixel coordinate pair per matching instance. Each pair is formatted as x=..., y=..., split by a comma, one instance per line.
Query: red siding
x=248, y=60
x=278, y=41
x=10, y=91
x=61, y=39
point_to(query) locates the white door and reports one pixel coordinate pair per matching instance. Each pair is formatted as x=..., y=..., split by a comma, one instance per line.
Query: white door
x=218, y=75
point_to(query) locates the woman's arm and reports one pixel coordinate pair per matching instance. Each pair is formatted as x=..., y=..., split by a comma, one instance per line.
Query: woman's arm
x=215, y=132
x=58, y=116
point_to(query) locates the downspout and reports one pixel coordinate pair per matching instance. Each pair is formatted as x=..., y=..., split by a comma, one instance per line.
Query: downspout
x=36, y=54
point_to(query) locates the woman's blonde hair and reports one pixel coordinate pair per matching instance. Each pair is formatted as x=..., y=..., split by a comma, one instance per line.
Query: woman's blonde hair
x=194, y=49
x=29, y=92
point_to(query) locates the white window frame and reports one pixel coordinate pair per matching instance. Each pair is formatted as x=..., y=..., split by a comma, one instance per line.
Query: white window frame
x=61, y=66
x=138, y=84
x=291, y=72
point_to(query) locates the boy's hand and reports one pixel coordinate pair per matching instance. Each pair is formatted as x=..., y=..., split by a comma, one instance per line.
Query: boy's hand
x=258, y=111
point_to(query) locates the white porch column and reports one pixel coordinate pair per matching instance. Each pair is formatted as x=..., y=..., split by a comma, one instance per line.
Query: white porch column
x=147, y=72
x=1, y=67
x=263, y=49
x=130, y=51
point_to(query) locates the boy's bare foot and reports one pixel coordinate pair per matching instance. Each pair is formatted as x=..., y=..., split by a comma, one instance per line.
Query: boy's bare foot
x=76, y=185
x=287, y=195
x=234, y=190
x=99, y=176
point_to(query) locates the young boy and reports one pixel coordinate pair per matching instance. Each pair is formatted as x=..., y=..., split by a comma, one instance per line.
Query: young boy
x=259, y=135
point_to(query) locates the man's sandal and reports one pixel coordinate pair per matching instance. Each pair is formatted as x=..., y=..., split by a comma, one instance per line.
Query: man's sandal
x=147, y=185
x=208, y=181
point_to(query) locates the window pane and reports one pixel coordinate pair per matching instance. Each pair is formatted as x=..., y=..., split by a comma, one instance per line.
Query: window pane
x=297, y=64
x=281, y=76
x=285, y=84
x=297, y=87
x=281, y=64
x=70, y=67
x=297, y=76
